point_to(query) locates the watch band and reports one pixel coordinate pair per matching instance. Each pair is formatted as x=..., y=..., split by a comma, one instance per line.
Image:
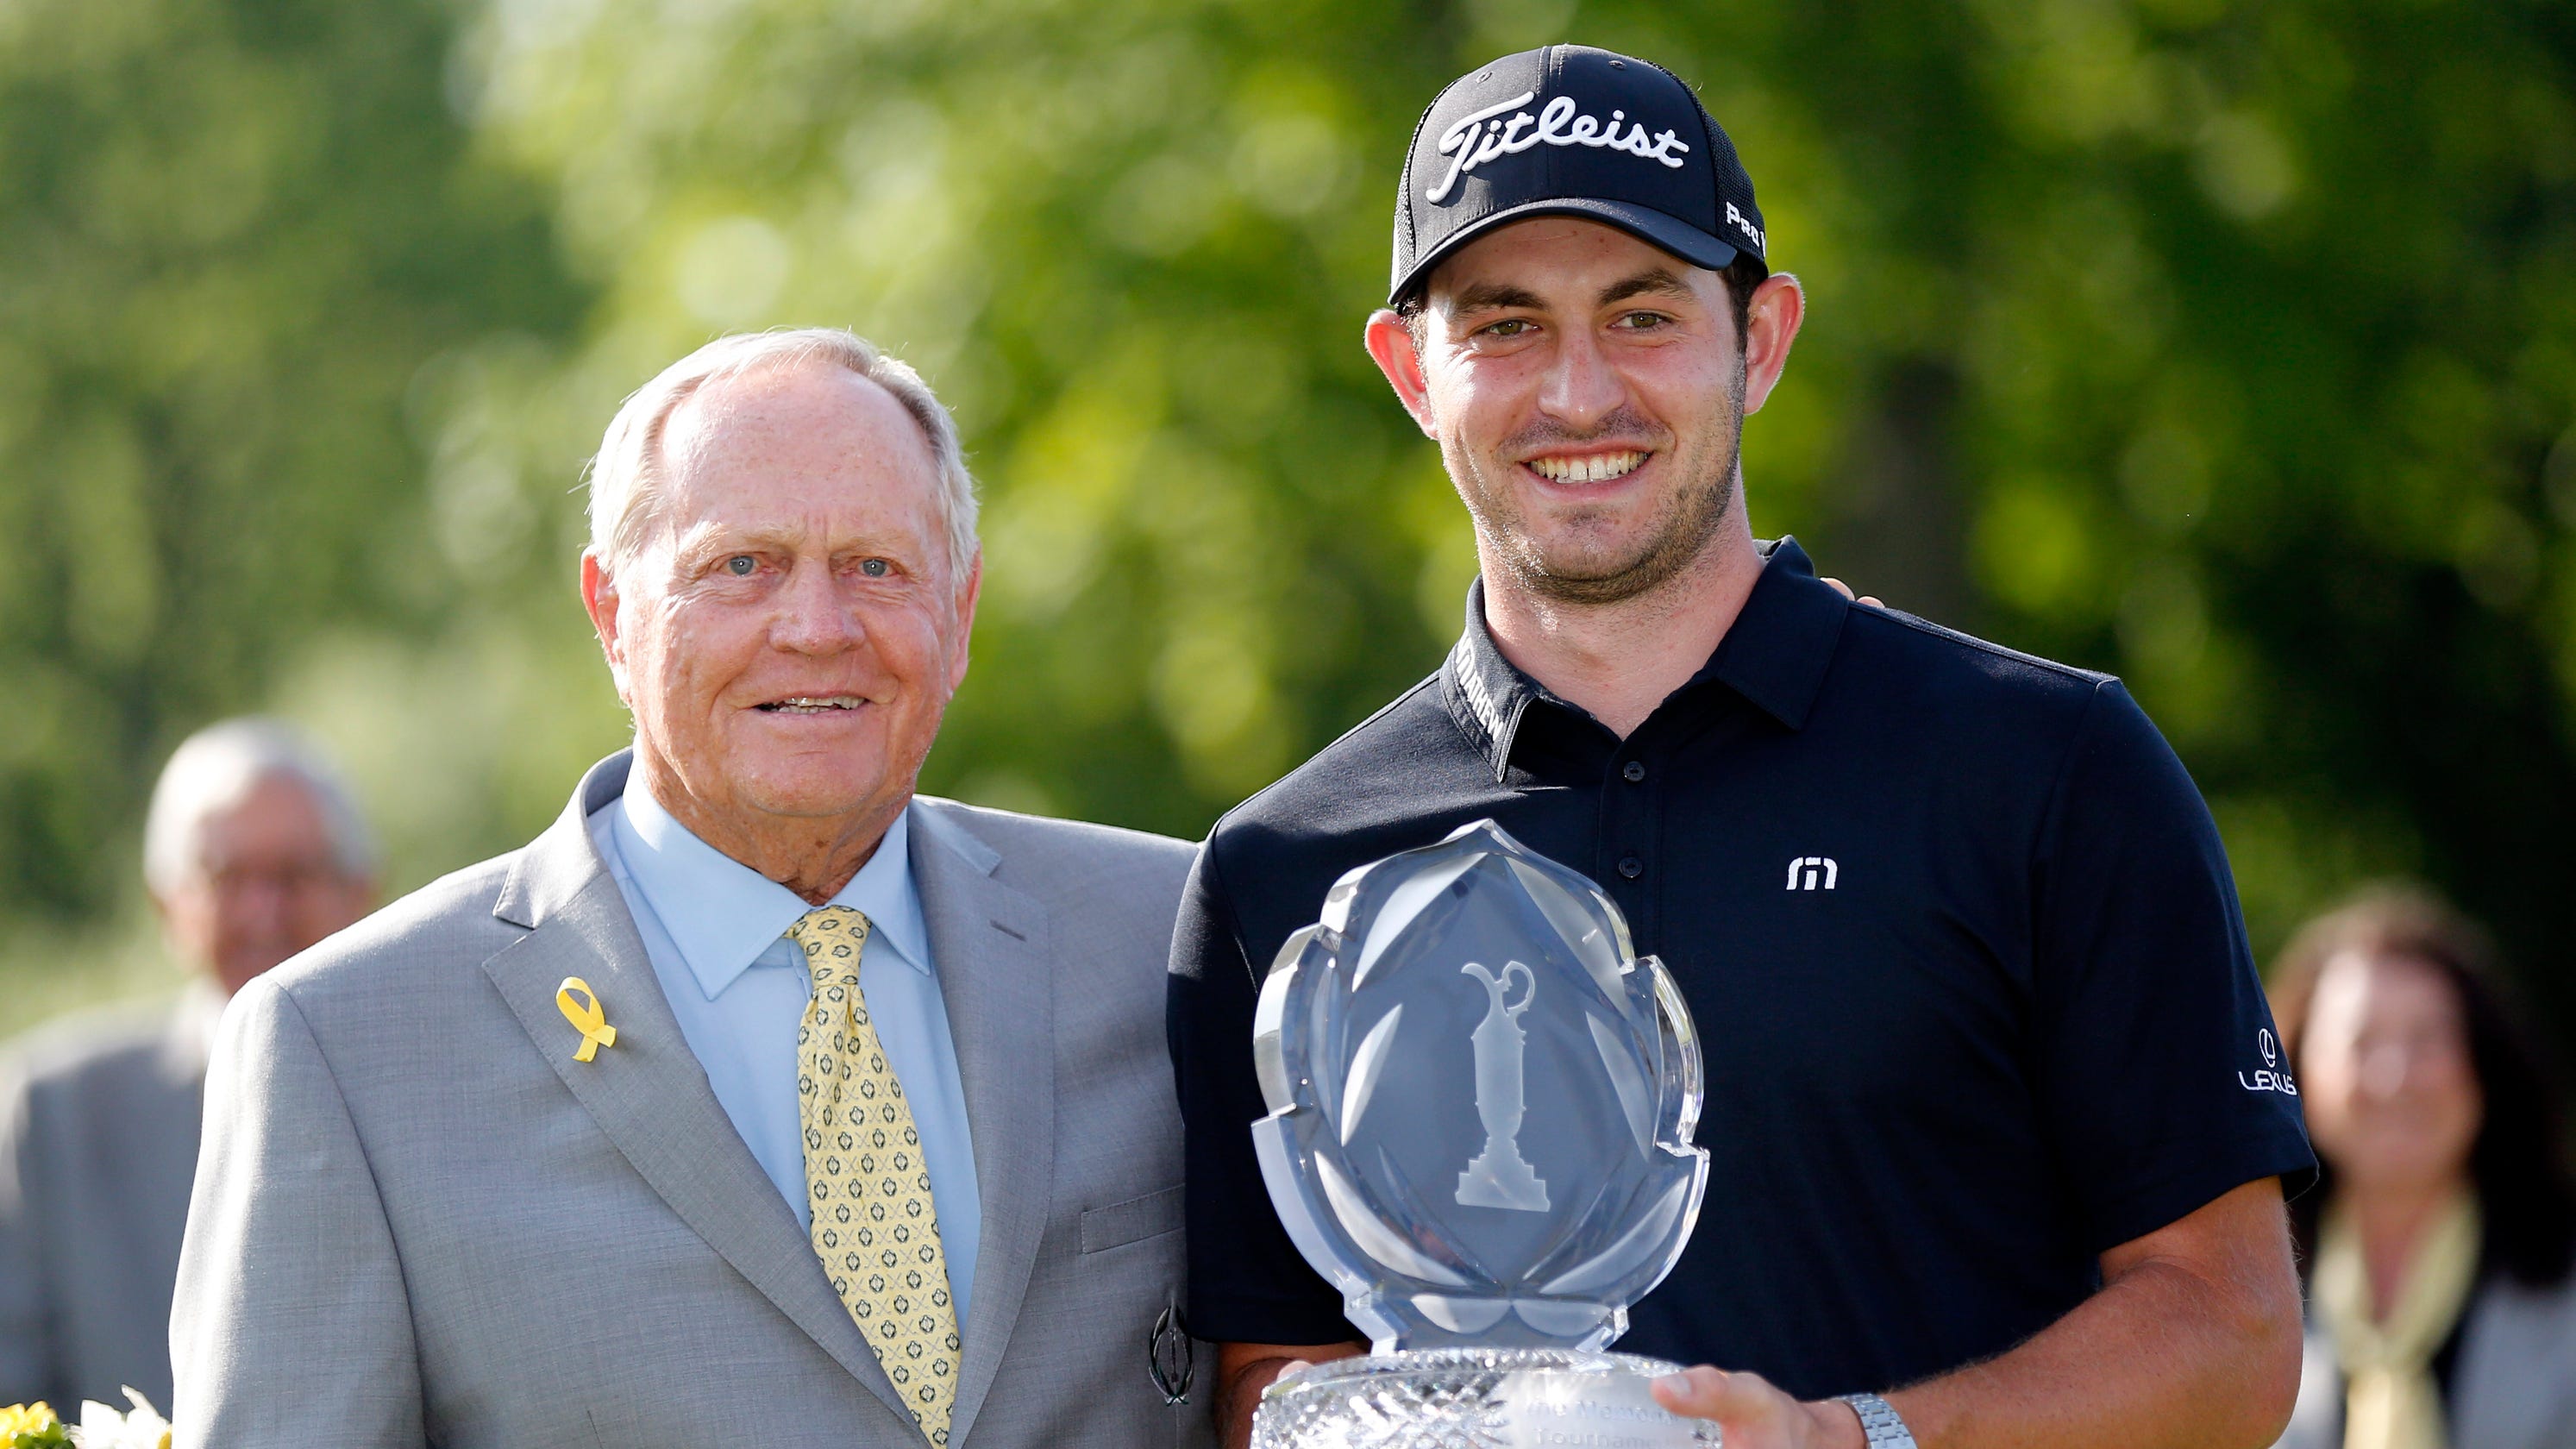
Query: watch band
x=1879, y=1423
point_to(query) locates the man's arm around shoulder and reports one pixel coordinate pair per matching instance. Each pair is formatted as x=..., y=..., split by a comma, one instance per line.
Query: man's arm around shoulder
x=292, y=1326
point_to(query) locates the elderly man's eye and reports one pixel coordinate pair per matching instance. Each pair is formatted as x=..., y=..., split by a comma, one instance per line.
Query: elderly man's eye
x=874, y=568
x=741, y=565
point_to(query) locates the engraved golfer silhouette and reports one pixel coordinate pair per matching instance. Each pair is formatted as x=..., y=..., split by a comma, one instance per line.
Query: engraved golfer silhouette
x=1498, y=1177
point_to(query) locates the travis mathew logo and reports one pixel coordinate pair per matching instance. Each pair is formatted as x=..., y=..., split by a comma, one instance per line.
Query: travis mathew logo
x=2269, y=1079
x=1803, y=873
x=1473, y=140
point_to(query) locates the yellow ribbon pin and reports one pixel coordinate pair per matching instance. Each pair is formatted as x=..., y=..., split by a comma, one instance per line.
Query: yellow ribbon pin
x=584, y=1013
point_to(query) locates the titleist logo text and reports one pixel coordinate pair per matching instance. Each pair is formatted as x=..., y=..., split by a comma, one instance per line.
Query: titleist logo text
x=1473, y=140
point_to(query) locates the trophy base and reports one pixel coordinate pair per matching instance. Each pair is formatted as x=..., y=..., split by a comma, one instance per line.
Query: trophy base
x=1476, y=1398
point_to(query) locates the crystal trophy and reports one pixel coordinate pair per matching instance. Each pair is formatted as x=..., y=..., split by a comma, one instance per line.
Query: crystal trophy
x=1481, y=1114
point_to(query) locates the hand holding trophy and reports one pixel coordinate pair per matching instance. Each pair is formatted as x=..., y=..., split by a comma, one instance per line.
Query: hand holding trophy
x=1482, y=1105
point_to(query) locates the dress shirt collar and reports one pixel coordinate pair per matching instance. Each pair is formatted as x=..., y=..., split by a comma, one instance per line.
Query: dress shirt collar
x=722, y=914
x=1774, y=657
x=191, y=1038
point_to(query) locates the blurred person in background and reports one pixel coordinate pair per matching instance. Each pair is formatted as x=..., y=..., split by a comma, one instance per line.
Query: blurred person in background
x=2440, y=1236
x=252, y=851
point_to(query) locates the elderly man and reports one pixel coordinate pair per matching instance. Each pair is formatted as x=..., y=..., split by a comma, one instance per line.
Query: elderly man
x=252, y=851
x=759, y=1099
x=1990, y=1128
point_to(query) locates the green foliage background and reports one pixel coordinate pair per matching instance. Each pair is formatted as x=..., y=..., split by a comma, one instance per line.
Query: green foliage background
x=2231, y=346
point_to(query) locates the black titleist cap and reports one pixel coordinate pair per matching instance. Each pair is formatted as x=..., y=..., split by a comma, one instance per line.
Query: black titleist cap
x=1567, y=130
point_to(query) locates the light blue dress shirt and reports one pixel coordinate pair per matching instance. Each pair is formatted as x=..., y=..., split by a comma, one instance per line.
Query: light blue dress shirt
x=716, y=933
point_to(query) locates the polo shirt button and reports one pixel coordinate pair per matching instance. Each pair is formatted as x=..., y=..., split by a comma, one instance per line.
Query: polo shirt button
x=1632, y=867
x=1634, y=771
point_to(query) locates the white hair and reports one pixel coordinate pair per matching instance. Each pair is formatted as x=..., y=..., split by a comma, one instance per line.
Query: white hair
x=626, y=474
x=216, y=768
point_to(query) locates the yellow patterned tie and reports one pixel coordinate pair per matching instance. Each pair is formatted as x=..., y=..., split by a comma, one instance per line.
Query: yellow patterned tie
x=874, y=1225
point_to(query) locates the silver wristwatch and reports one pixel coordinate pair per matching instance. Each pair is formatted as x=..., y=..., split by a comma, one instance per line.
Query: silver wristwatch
x=1879, y=1423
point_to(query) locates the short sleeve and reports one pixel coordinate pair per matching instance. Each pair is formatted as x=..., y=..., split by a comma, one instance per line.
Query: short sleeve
x=1248, y=1283
x=2162, y=1079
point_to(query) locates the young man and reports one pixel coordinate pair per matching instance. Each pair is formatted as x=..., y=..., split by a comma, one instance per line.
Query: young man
x=1987, y=1129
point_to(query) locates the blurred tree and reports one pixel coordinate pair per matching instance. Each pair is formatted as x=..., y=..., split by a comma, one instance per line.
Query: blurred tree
x=1131, y=245
x=2228, y=345
x=231, y=234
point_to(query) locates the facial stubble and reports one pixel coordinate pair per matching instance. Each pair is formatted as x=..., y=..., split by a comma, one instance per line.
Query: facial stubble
x=1691, y=515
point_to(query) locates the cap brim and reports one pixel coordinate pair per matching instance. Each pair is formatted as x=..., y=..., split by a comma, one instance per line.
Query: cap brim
x=1658, y=228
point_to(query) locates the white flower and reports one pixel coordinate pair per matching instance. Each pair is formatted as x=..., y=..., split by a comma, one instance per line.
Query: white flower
x=104, y=1428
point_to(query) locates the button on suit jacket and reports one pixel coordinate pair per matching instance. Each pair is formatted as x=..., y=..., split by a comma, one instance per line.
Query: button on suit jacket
x=419, y=1220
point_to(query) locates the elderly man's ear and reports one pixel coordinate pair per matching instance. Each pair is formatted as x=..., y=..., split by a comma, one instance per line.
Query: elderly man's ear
x=599, y=600
x=968, y=592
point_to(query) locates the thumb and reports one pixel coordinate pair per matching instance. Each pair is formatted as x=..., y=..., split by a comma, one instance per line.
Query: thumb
x=1738, y=1399
x=1698, y=1393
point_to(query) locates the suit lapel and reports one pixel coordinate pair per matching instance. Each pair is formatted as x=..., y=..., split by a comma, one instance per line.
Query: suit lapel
x=990, y=945
x=647, y=1092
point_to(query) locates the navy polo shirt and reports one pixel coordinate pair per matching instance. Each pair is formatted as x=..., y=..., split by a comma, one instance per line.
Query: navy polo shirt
x=1954, y=924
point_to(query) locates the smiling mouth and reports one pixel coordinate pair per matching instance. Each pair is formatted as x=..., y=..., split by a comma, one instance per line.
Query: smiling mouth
x=811, y=704
x=1590, y=468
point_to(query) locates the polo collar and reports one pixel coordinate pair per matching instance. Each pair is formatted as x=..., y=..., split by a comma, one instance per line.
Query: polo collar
x=722, y=914
x=1775, y=656
x=1486, y=693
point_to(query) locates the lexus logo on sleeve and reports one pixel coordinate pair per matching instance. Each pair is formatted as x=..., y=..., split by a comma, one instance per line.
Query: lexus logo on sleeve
x=2269, y=1077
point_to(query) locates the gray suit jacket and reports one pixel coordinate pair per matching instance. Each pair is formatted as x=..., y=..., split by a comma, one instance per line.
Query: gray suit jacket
x=419, y=1220
x=2515, y=1387
x=98, y=1141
